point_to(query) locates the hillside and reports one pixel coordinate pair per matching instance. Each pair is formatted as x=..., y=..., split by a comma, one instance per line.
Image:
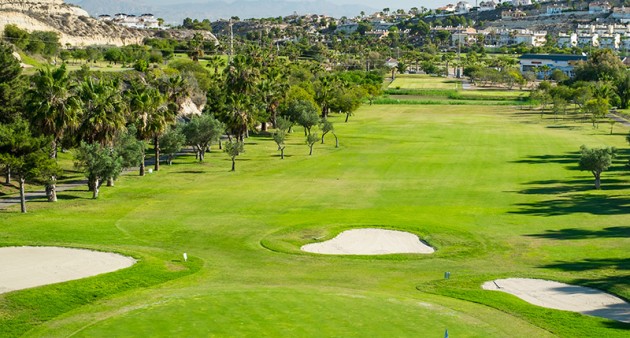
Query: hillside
x=74, y=25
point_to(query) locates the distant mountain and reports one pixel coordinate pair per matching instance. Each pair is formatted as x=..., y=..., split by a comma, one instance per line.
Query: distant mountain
x=214, y=10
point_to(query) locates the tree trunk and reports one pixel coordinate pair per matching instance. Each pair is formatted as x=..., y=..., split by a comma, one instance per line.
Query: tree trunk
x=142, y=164
x=282, y=153
x=263, y=126
x=110, y=181
x=597, y=180
x=22, y=196
x=170, y=159
x=233, y=164
x=220, y=144
x=311, y=151
x=7, y=175
x=53, y=148
x=347, y=117
x=336, y=140
x=51, y=190
x=324, y=134
x=96, y=188
x=156, y=142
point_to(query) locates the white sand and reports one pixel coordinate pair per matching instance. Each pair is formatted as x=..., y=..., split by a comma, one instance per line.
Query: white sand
x=370, y=242
x=560, y=296
x=27, y=267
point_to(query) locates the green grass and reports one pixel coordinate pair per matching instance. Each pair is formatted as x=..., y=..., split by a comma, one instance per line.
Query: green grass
x=495, y=191
x=424, y=82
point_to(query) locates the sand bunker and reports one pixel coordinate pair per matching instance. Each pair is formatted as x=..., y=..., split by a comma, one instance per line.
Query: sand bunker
x=27, y=267
x=370, y=242
x=560, y=296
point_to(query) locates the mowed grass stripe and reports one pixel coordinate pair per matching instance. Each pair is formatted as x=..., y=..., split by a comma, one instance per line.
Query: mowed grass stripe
x=454, y=175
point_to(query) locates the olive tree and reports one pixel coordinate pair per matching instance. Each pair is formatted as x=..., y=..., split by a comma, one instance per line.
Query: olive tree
x=201, y=131
x=234, y=148
x=596, y=160
x=279, y=137
x=311, y=139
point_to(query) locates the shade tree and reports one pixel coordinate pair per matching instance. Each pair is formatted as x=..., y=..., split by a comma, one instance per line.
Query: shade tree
x=98, y=163
x=23, y=151
x=234, y=148
x=596, y=160
x=279, y=137
x=311, y=139
x=201, y=131
x=327, y=127
x=171, y=142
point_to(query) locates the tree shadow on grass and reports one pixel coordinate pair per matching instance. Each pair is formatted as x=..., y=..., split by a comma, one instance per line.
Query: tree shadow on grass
x=554, y=187
x=575, y=233
x=584, y=203
x=608, y=283
x=571, y=157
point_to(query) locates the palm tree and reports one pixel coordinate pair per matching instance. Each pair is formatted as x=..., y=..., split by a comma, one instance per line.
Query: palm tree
x=195, y=47
x=105, y=111
x=272, y=89
x=216, y=62
x=152, y=117
x=54, y=110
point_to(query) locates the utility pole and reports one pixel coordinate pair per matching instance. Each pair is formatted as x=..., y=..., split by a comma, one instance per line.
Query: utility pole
x=231, y=44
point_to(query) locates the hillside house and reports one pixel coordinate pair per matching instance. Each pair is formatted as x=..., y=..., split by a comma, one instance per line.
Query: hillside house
x=467, y=36
x=555, y=9
x=534, y=63
x=612, y=41
x=622, y=14
x=462, y=7
x=450, y=8
x=588, y=40
x=567, y=40
x=489, y=5
x=599, y=7
x=513, y=14
x=143, y=21
x=517, y=3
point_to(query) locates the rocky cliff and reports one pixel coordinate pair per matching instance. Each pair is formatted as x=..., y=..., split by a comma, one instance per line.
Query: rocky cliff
x=73, y=24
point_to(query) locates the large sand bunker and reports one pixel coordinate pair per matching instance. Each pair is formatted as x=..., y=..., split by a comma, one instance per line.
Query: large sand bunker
x=370, y=242
x=560, y=296
x=27, y=267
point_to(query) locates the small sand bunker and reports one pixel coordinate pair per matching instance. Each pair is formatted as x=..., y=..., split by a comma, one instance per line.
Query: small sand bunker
x=370, y=242
x=27, y=267
x=560, y=296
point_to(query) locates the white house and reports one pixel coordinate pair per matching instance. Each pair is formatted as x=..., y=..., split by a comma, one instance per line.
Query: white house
x=489, y=5
x=517, y=3
x=450, y=8
x=462, y=7
x=588, y=40
x=612, y=41
x=465, y=37
x=555, y=9
x=530, y=38
x=567, y=40
x=599, y=7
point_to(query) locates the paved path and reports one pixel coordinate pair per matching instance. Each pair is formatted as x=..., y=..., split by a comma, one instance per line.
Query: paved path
x=6, y=202
x=14, y=199
x=619, y=119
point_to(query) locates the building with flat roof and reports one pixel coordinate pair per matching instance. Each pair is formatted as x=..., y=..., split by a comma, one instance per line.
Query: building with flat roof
x=536, y=62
